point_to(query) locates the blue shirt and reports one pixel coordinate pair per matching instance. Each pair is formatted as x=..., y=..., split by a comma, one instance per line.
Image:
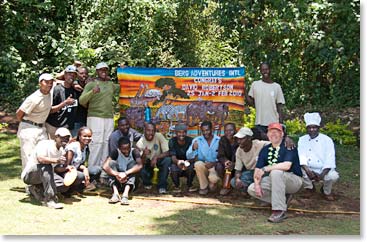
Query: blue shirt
x=284, y=155
x=204, y=151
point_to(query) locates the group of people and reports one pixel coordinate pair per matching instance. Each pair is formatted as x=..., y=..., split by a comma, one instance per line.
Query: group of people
x=67, y=126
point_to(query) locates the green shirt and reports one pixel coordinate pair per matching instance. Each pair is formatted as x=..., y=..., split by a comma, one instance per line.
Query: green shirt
x=99, y=104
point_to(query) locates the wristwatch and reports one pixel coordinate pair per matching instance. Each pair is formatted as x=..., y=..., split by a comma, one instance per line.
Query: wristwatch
x=263, y=169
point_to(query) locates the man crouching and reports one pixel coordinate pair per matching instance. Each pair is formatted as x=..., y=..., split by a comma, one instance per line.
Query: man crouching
x=277, y=174
x=121, y=167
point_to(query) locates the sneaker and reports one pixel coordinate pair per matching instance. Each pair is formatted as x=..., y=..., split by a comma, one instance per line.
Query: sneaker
x=148, y=187
x=52, y=204
x=90, y=187
x=114, y=199
x=162, y=191
x=35, y=192
x=203, y=191
x=277, y=216
x=125, y=201
x=176, y=190
x=193, y=189
x=224, y=191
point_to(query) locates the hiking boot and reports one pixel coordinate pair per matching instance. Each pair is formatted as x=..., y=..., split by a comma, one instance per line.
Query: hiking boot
x=124, y=200
x=162, y=191
x=193, y=189
x=52, y=204
x=224, y=191
x=176, y=190
x=90, y=187
x=277, y=216
x=203, y=191
x=114, y=199
x=35, y=192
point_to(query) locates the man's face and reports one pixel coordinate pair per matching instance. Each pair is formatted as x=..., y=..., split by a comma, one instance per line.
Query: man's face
x=62, y=140
x=69, y=77
x=102, y=73
x=265, y=71
x=83, y=74
x=275, y=136
x=125, y=149
x=149, y=132
x=313, y=131
x=45, y=86
x=229, y=131
x=181, y=134
x=206, y=131
x=245, y=143
x=124, y=126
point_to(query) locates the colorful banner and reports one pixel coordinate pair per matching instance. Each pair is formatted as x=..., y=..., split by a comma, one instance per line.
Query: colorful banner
x=189, y=95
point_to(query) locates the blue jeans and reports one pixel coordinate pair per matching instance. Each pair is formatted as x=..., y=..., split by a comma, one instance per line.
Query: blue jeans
x=77, y=126
x=163, y=166
x=247, y=177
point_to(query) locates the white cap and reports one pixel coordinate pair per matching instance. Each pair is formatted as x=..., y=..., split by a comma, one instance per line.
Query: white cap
x=70, y=68
x=62, y=132
x=312, y=119
x=46, y=77
x=243, y=132
x=101, y=65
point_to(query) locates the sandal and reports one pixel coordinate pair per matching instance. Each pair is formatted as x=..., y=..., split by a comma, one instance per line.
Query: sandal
x=124, y=200
x=115, y=198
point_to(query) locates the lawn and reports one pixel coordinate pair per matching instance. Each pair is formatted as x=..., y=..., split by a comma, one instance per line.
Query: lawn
x=190, y=214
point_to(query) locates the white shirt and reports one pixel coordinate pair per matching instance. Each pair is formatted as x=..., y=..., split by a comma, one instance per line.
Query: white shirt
x=318, y=153
x=45, y=148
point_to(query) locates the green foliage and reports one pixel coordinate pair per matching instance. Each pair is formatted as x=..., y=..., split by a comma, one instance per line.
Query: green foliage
x=313, y=47
x=339, y=133
x=249, y=117
x=295, y=127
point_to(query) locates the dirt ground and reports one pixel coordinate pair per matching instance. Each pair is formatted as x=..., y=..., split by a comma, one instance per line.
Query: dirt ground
x=344, y=202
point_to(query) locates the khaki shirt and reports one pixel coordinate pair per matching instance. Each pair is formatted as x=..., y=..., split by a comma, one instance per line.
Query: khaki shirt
x=157, y=146
x=249, y=159
x=36, y=107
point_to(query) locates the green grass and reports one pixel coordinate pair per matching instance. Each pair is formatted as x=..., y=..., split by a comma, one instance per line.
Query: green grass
x=92, y=215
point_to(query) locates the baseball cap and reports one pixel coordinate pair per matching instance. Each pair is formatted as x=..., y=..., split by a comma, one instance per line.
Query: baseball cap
x=101, y=65
x=62, y=132
x=277, y=126
x=46, y=77
x=179, y=127
x=244, y=131
x=70, y=68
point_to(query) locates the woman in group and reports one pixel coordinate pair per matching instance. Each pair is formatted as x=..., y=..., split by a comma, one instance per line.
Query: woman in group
x=76, y=155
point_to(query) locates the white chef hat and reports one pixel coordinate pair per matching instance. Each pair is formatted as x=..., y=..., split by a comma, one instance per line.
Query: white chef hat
x=312, y=119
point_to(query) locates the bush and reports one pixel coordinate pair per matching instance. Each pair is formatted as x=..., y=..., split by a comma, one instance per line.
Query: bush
x=339, y=133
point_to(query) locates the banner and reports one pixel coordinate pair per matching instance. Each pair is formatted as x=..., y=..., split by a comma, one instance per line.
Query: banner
x=189, y=95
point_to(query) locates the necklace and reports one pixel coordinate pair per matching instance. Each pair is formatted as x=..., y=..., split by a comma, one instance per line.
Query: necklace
x=273, y=155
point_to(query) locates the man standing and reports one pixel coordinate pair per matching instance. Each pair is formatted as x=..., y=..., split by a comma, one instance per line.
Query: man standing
x=268, y=99
x=123, y=130
x=39, y=171
x=98, y=97
x=64, y=104
x=317, y=157
x=121, y=167
x=284, y=174
x=155, y=153
x=81, y=113
x=205, y=149
x=246, y=156
x=32, y=115
x=181, y=166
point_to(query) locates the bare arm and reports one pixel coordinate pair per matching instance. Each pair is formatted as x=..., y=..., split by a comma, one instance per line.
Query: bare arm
x=19, y=114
